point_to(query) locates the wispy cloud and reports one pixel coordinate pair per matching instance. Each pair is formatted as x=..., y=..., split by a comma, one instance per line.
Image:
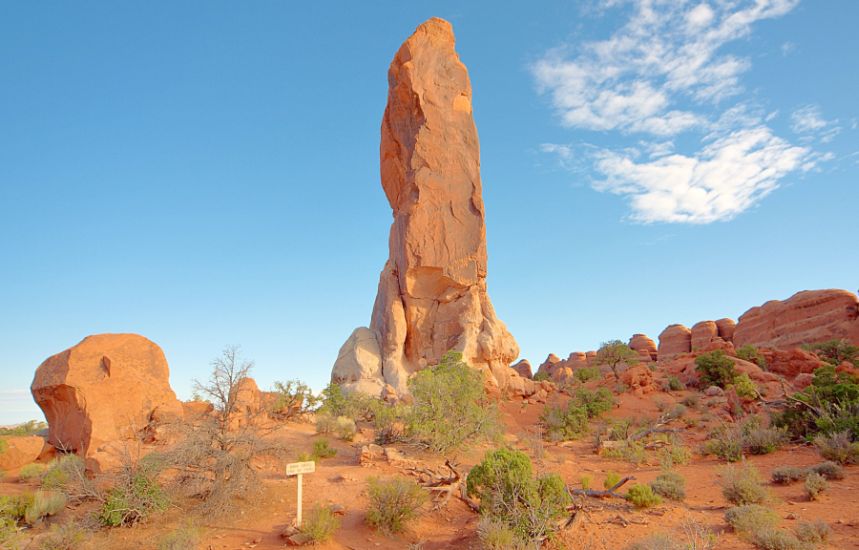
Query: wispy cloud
x=808, y=121
x=661, y=74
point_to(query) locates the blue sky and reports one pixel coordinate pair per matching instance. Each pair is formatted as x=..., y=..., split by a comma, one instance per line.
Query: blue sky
x=206, y=173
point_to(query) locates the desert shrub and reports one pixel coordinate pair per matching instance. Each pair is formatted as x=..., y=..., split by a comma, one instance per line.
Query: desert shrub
x=630, y=451
x=30, y=427
x=541, y=377
x=338, y=402
x=674, y=384
x=611, y=479
x=670, y=485
x=835, y=352
x=814, y=532
x=571, y=422
x=212, y=460
x=675, y=453
x=830, y=404
x=731, y=442
x=586, y=374
x=3, y=446
x=585, y=482
x=814, y=485
x=394, y=503
x=68, y=536
x=838, y=447
x=325, y=423
x=750, y=518
x=715, y=369
x=751, y=354
x=744, y=387
x=829, y=470
x=389, y=422
x=742, y=485
x=776, y=539
x=643, y=496
x=615, y=353
x=345, y=428
x=696, y=536
x=135, y=496
x=509, y=493
x=320, y=524
x=322, y=449
x=497, y=535
x=63, y=471
x=693, y=401
x=14, y=507
x=292, y=399
x=8, y=533
x=45, y=503
x=784, y=475
x=450, y=407
x=31, y=472
x=186, y=537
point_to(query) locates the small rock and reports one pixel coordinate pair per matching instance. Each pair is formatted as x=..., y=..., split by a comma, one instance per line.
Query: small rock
x=299, y=539
x=790, y=516
x=337, y=509
x=714, y=391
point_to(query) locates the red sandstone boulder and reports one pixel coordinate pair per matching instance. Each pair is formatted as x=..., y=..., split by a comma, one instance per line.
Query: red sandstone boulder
x=702, y=334
x=105, y=390
x=726, y=328
x=790, y=363
x=639, y=379
x=644, y=346
x=523, y=367
x=806, y=317
x=674, y=340
x=20, y=450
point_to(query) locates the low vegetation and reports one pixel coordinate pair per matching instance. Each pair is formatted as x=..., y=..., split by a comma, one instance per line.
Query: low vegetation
x=814, y=485
x=614, y=354
x=394, y=503
x=571, y=422
x=752, y=355
x=835, y=352
x=31, y=427
x=320, y=524
x=838, y=447
x=643, y=496
x=670, y=485
x=732, y=442
x=743, y=485
x=829, y=405
x=293, y=399
x=186, y=537
x=511, y=496
x=715, y=369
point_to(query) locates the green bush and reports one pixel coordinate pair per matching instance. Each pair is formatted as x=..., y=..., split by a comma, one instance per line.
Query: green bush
x=611, y=479
x=497, y=535
x=186, y=537
x=31, y=472
x=643, y=496
x=450, y=407
x=394, y=503
x=835, y=352
x=541, y=376
x=670, y=485
x=752, y=355
x=816, y=532
x=776, y=539
x=63, y=471
x=45, y=503
x=838, y=447
x=674, y=384
x=389, y=422
x=830, y=404
x=68, y=536
x=338, y=402
x=571, y=422
x=745, y=388
x=509, y=493
x=784, y=475
x=675, y=453
x=750, y=518
x=586, y=374
x=134, y=498
x=615, y=353
x=630, y=451
x=715, y=369
x=320, y=524
x=814, y=485
x=742, y=485
x=658, y=541
x=8, y=533
x=3, y=446
x=731, y=442
x=322, y=449
x=829, y=470
x=292, y=399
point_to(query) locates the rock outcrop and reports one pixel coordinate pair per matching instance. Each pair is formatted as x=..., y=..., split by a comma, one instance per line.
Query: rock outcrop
x=726, y=328
x=644, y=346
x=806, y=317
x=523, y=368
x=20, y=450
x=674, y=340
x=432, y=294
x=106, y=389
x=702, y=334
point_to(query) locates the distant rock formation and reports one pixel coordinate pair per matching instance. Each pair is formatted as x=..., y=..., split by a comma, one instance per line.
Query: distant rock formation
x=645, y=347
x=20, y=450
x=523, y=368
x=104, y=390
x=806, y=317
x=674, y=340
x=432, y=291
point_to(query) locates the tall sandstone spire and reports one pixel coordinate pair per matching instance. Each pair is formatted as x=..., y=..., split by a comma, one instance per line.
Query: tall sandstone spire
x=432, y=291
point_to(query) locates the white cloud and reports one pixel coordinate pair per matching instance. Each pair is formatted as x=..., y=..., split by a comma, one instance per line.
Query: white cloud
x=809, y=122
x=664, y=73
x=726, y=177
x=667, y=52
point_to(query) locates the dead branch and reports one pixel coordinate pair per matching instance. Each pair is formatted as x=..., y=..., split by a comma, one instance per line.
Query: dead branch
x=610, y=492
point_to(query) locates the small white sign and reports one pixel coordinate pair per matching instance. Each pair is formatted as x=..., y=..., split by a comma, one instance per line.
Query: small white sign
x=300, y=468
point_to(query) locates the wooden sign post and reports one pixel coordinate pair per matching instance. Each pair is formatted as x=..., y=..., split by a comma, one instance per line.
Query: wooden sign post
x=299, y=469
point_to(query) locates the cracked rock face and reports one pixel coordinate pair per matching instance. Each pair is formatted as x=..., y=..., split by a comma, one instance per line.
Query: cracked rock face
x=432, y=291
